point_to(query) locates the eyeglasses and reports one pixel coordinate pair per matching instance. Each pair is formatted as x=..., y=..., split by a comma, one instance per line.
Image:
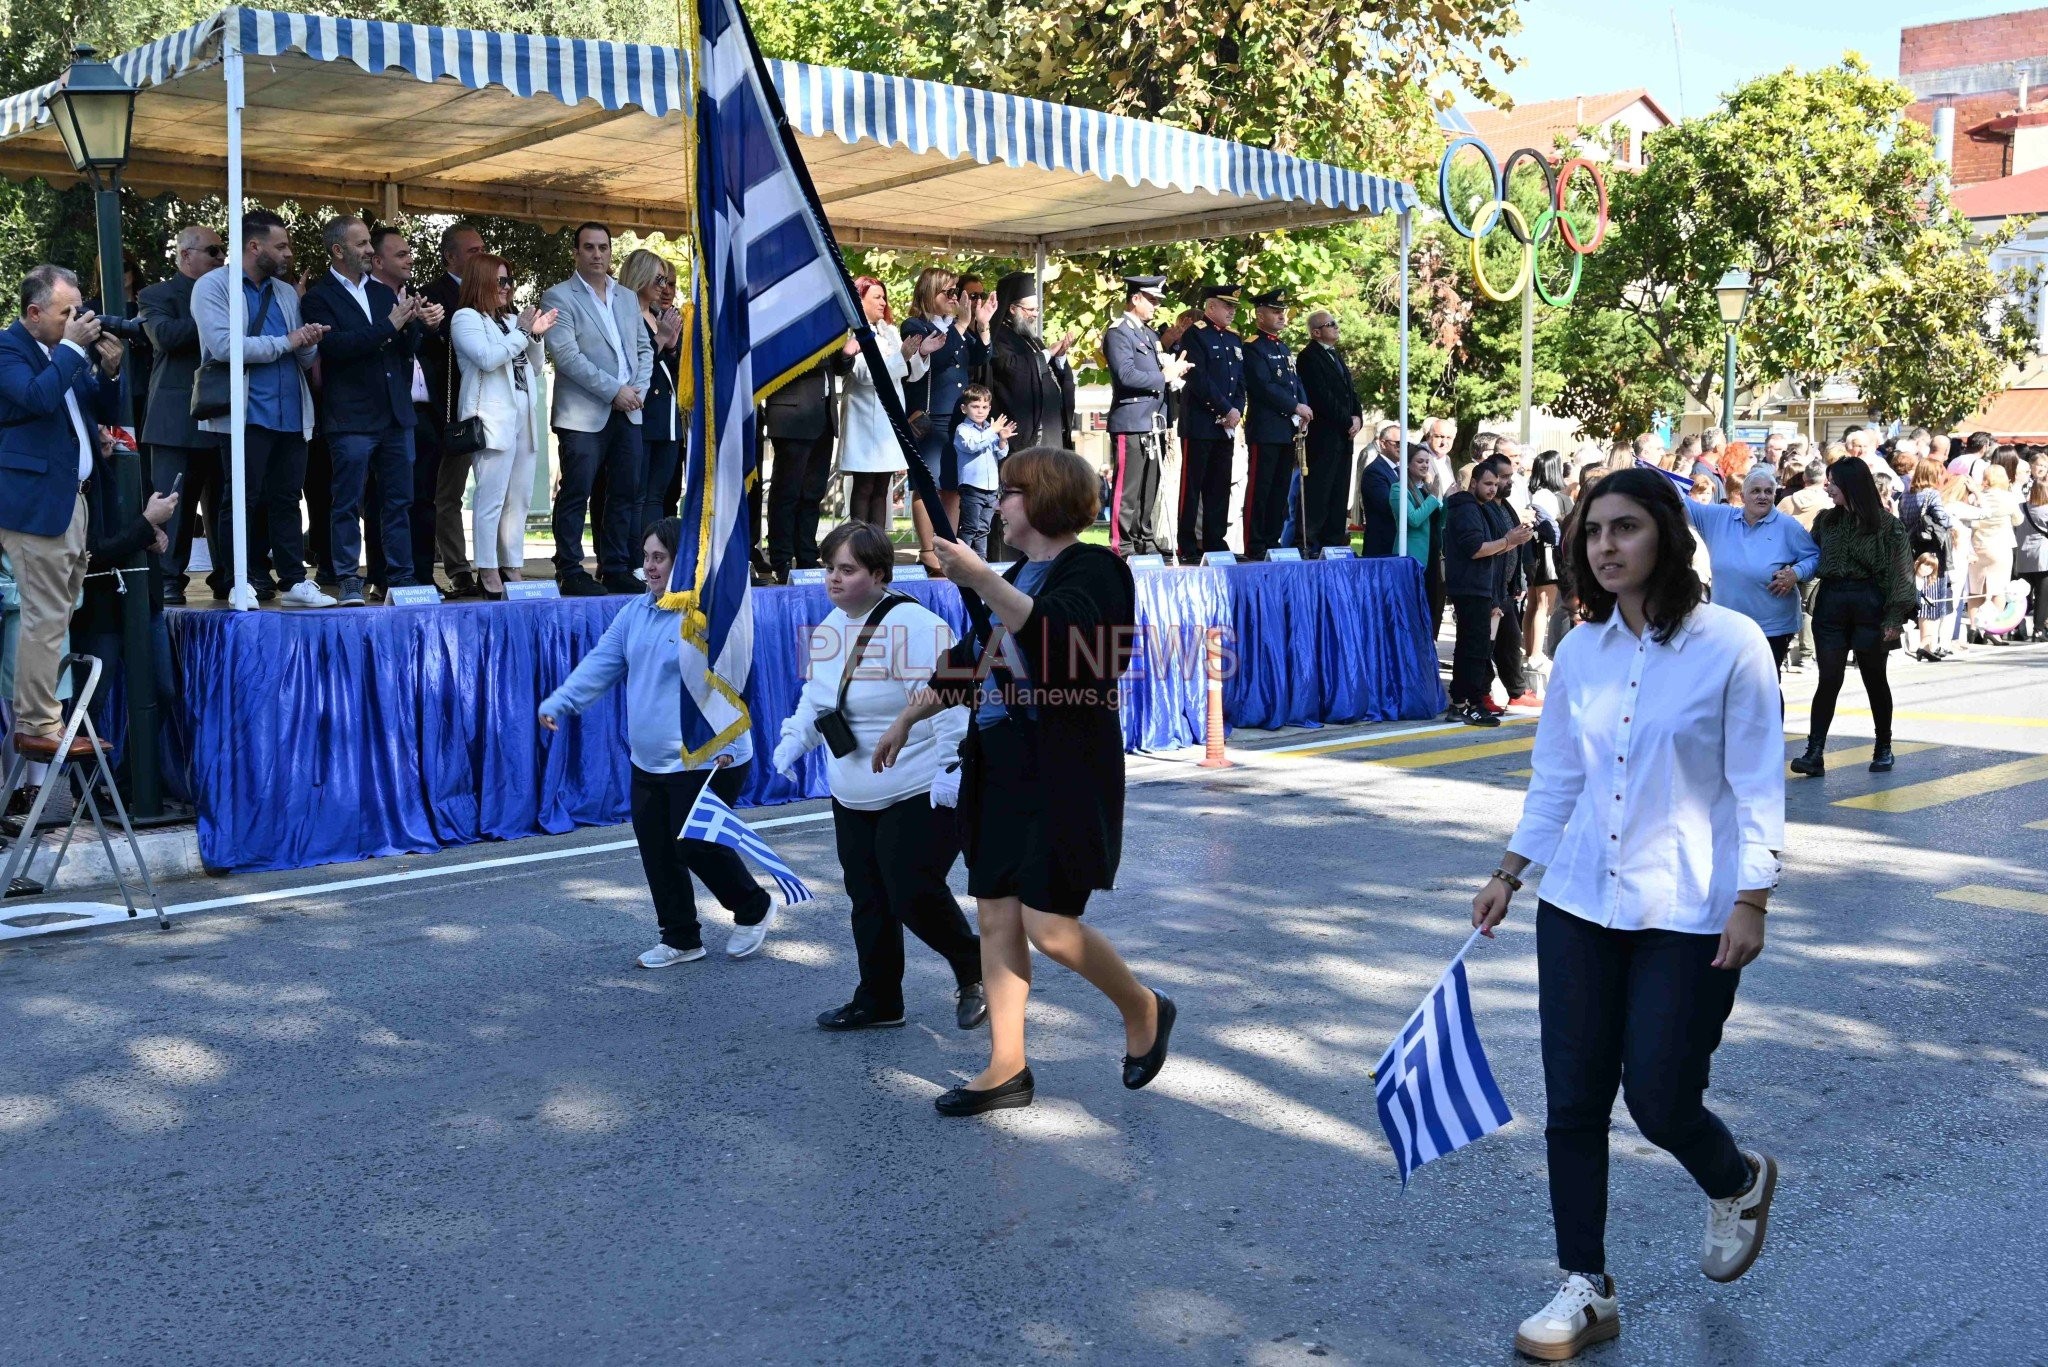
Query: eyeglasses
x=1006, y=490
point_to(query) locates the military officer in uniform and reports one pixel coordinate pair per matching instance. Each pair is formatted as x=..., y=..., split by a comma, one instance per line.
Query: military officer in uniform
x=1211, y=412
x=1278, y=411
x=1140, y=373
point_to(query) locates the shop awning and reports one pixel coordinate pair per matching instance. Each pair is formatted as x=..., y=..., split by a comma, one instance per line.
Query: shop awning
x=2017, y=415
x=408, y=118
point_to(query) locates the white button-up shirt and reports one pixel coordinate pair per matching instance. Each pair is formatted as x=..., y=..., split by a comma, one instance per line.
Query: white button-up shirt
x=357, y=291
x=86, y=434
x=1659, y=788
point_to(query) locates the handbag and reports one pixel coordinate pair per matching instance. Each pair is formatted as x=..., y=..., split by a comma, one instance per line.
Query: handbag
x=211, y=397
x=833, y=726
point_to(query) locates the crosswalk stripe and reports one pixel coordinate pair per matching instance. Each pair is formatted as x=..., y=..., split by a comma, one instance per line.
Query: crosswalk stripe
x=1984, y=718
x=1521, y=773
x=1459, y=754
x=1913, y=797
x=2005, y=899
x=1862, y=747
x=1388, y=738
x=2037, y=825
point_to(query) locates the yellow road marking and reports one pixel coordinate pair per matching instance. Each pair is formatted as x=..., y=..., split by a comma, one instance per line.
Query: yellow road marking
x=1458, y=754
x=1980, y=717
x=1418, y=737
x=1521, y=773
x=1913, y=797
x=2037, y=825
x=2005, y=899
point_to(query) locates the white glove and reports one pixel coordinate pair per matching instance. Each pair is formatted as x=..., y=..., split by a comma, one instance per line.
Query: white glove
x=946, y=787
x=788, y=751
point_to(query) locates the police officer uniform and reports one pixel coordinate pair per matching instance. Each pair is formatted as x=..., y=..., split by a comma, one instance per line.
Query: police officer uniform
x=1214, y=389
x=1137, y=423
x=1274, y=389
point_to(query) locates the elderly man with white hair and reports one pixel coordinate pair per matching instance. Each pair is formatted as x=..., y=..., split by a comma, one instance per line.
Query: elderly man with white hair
x=1759, y=555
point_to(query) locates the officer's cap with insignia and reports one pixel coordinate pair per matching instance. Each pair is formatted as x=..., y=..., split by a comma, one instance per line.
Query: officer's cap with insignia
x=1271, y=299
x=1227, y=293
x=1154, y=285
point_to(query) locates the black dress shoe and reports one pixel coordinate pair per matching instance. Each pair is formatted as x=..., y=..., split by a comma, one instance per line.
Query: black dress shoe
x=1881, y=759
x=971, y=1007
x=580, y=585
x=854, y=1016
x=1141, y=1070
x=1003, y=1097
x=463, y=584
x=623, y=583
x=174, y=598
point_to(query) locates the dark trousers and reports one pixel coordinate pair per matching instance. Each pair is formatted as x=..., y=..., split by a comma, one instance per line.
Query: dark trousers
x=423, y=518
x=1265, y=496
x=802, y=474
x=441, y=479
x=662, y=457
x=201, y=469
x=617, y=450
x=661, y=803
x=2037, y=583
x=1326, y=491
x=1136, y=491
x=1639, y=1011
x=1204, y=486
x=355, y=455
x=319, y=506
x=1483, y=650
x=1433, y=586
x=895, y=861
x=275, y=475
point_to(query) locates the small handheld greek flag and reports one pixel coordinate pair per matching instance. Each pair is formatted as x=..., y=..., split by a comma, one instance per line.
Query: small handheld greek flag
x=710, y=819
x=1435, y=1091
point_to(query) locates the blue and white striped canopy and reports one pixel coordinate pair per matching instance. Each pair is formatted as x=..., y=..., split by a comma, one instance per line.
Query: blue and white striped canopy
x=1017, y=170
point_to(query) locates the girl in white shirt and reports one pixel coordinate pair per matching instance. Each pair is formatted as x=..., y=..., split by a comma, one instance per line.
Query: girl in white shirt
x=895, y=828
x=1657, y=809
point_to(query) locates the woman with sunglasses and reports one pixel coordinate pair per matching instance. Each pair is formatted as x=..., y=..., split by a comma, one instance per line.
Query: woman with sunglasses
x=498, y=345
x=653, y=282
x=954, y=342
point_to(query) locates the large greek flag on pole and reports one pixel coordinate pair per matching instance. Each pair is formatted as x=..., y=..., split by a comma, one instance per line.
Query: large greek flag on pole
x=769, y=300
x=710, y=819
x=1435, y=1090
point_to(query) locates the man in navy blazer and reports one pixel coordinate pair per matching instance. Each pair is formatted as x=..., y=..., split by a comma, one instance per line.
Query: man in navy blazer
x=58, y=381
x=366, y=410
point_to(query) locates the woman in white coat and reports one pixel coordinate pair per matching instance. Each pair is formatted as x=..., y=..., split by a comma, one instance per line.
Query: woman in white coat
x=500, y=358
x=868, y=450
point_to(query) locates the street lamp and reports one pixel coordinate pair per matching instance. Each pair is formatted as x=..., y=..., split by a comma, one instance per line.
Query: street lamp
x=1732, y=295
x=94, y=110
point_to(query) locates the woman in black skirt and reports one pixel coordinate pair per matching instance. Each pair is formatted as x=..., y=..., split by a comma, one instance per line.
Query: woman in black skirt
x=1865, y=596
x=1042, y=781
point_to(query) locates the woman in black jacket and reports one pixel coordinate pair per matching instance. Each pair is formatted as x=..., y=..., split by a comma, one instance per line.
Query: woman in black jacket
x=1480, y=531
x=1042, y=779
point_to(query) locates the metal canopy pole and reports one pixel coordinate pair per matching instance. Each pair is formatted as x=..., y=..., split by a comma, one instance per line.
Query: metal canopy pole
x=1401, y=522
x=1528, y=356
x=241, y=596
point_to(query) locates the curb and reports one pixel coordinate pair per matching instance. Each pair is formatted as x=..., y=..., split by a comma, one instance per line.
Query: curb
x=171, y=852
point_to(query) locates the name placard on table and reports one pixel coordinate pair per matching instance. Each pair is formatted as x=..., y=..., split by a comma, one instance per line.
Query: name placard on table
x=1283, y=553
x=413, y=596
x=1219, y=557
x=814, y=575
x=1149, y=561
x=1338, y=553
x=910, y=572
x=525, y=590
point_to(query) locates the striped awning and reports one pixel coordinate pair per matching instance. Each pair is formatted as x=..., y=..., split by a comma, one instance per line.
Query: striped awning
x=410, y=118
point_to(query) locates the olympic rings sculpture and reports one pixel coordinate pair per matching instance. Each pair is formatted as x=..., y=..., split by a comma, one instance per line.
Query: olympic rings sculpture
x=1557, y=183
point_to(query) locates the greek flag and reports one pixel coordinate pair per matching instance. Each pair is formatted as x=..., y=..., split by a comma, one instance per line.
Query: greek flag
x=710, y=819
x=769, y=299
x=1435, y=1090
x=1683, y=483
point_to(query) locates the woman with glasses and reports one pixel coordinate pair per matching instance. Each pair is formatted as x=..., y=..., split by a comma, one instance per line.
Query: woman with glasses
x=954, y=342
x=499, y=347
x=653, y=281
x=1042, y=765
x=1759, y=556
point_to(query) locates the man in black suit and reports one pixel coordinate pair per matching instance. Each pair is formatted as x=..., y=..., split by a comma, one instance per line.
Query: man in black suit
x=366, y=372
x=170, y=436
x=1375, y=491
x=460, y=244
x=800, y=424
x=1338, y=418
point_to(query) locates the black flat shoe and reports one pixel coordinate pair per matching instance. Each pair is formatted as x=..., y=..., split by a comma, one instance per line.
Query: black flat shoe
x=856, y=1017
x=1003, y=1097
x=971, y=1007
x=1139, y=1071
x=1881, y=760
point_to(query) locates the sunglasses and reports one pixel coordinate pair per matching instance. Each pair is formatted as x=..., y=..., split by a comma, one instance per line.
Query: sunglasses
x=977, y=295
x=949, y=293
x=504, y=282
x=216, y=250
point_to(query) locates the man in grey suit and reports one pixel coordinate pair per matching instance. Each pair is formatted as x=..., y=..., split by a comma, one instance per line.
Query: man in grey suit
x=603, y=360
x=176, y=446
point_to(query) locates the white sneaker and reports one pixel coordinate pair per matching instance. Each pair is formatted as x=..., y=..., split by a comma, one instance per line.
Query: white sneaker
x=746, y=939
x=1577, y=1317
x=306, y=594
x=668, y=956
x=1735, y=1227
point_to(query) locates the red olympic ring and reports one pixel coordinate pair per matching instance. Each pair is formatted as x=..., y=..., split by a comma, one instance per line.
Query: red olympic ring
x=1558, y=185
x=1564, y=224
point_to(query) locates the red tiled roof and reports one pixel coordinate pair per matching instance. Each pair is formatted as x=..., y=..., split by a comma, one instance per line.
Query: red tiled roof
x=2023, y=194
x=1538, y=125
x=1980, y=156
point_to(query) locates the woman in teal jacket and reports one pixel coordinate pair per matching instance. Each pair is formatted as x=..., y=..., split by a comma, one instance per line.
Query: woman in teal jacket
x=1423, y=506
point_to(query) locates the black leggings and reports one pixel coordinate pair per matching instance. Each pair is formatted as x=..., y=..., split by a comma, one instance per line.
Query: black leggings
x=2037, y=581
x=870, y=501
x=1834, y=666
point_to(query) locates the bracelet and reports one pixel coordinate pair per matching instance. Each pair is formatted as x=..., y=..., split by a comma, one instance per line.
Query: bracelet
x=1758, y=907
x=1514, y=883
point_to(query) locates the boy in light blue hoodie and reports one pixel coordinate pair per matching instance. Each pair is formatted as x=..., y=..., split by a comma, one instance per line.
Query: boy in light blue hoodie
x=980, y=446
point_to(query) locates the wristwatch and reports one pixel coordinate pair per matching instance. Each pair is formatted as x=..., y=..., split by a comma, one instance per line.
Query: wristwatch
x=1514, y=883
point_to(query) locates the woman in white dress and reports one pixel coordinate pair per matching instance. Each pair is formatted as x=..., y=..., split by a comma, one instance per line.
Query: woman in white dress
x=869, y=450
x=500, y=357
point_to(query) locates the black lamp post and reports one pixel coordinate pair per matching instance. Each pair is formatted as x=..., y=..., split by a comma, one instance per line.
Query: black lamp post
x=94, y=110
x=1732, y=297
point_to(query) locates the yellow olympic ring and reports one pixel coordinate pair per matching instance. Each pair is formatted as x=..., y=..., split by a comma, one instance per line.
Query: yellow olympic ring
x=1480, y=222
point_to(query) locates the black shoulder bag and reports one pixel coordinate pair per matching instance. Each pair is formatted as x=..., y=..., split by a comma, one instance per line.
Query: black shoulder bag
x=211, y=397
x=833, y=726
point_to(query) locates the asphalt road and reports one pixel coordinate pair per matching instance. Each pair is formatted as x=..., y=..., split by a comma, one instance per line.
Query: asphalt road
x=446, y=1120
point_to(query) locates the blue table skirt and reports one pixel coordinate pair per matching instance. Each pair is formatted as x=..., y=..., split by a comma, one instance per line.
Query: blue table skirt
x=311, y=737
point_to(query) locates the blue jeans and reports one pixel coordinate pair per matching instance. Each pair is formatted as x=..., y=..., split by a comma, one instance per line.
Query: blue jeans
x=662, y=459
x=618, y=450
x=977, y=511
x=355, y=455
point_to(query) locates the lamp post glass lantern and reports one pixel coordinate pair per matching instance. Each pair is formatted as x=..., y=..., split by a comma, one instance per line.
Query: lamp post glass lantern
x=1732, y=297
x=94, y=110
